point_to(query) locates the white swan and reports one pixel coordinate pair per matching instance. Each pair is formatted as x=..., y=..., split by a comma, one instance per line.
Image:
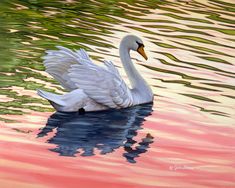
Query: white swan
x=93, y=87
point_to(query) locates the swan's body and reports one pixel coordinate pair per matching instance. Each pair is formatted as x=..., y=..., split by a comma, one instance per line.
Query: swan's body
x=93, y=87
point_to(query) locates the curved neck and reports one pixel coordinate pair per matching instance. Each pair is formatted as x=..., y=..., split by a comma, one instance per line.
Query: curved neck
x=135, y=78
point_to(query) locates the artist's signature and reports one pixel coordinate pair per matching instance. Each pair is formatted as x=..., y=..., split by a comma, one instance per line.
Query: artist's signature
x=181, y=167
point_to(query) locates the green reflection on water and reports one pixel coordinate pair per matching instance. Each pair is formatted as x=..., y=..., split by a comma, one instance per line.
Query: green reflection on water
x=199, y=97
x=186, y=18
x=29, y=27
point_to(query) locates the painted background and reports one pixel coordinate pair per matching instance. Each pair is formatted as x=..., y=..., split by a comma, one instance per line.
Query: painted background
x=185, y=140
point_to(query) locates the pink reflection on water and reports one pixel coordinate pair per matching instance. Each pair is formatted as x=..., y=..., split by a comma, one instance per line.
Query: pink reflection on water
x=186, y=153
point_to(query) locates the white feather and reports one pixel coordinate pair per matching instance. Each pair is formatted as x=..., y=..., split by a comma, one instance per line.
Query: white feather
x=93, y=87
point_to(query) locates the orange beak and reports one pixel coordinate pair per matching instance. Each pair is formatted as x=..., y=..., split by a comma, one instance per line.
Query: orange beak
x=141, y=51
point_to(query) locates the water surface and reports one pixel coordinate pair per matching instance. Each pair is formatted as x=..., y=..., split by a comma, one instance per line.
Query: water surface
x=186, y=139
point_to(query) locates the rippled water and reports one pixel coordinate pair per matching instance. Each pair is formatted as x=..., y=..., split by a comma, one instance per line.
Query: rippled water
x=185, y=140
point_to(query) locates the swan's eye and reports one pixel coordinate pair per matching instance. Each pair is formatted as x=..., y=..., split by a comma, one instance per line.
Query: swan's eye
x=139, y=44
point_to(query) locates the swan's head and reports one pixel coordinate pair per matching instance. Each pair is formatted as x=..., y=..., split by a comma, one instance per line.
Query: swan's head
x=133, y=42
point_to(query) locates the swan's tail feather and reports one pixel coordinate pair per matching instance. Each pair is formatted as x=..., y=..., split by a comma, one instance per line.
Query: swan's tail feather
x=55, y=100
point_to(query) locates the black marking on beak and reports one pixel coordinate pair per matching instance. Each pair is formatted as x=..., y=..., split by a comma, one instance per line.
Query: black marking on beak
x=139, y=44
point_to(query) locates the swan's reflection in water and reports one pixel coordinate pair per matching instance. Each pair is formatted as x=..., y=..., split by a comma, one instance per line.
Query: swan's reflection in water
x=105, y=131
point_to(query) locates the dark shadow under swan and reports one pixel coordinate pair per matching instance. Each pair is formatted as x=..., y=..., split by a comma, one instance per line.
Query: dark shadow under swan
x=104, y=130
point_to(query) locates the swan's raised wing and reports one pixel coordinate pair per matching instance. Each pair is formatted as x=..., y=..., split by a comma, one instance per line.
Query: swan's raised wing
x=102, y=84
x=57, y=63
